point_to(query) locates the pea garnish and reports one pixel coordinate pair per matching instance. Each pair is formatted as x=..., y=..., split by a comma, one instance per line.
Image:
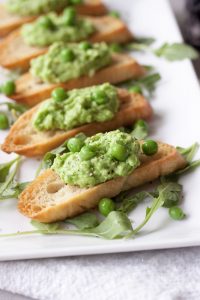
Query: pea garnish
x=46, y=22
x=149, y=147
x=119, y=152
x=67, y=55
x=8, y=88
x=4, y=123
x=135, y=89
x=59, y=94
x=106, y=205
x=86, y=153
x=69, y=16
x=75, y=144
x=85, y=45
x=99, y=97
x=176, y=213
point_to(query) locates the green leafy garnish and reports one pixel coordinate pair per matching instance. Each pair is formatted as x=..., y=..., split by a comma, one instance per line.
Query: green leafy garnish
x=8, y=183
x=140, y=130
x=115, y=225
x=147, y=83
x=84, y=221
x=140, y=44
x=14, y=110
x=176, y=51
x=129, y=203
x=47, y=227
x=171, y=193
x=5, y=168
x=114, y=14
x=188, y=154
x=13, y=190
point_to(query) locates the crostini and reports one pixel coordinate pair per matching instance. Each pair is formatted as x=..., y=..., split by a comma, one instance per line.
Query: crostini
x=10, y=21
x=88, y=67
x=48, y=199
x=24, y=139
x=16, y=53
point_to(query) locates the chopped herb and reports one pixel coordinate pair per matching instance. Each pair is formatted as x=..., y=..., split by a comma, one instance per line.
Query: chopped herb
x=176, y=51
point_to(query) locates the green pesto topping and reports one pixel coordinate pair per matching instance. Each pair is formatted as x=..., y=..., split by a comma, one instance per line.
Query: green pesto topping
x=64, y=62
x=54, y=28
x=97, y=161
x=80, y=107
x=36, y=7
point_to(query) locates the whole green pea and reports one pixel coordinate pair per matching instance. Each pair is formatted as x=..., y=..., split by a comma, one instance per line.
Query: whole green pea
x=75, y=144
x=149, y=147
x=86, y=153
x=176, y=213
x=69, y=16
x=106, y=205
x=8, y=88
x=85, y=45
x=67, y=55
x=119, y=152
x=59, y=94
x=4, y=122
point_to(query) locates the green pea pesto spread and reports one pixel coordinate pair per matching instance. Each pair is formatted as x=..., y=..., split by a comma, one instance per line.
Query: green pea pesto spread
x=105, y=165
x=35, y=7
x=64, y=62
x=53, y=28
x=81, y=106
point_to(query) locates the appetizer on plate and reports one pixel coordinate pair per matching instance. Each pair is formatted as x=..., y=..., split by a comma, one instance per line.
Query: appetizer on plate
x=88, y=110
x=103, y=166
x=14, y=13
x=32, y=40
x=73, y=66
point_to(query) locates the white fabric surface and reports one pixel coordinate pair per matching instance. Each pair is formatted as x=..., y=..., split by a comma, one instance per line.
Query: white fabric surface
x=163, y=275
x=152, y=275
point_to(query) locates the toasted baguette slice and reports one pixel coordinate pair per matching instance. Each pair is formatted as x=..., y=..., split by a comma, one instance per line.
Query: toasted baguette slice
x=25, y=140
x=9, y=22
x=48, y=199
x=15, y=53
x=123, y=67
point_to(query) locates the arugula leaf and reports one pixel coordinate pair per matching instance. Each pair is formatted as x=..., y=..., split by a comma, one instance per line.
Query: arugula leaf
x=114, y=14
x=14, y=110
x=131, y=202
x=176, y=51
x=5, y=168
x=115, y=225
x=6, y=185
x=157, y=203
x=149, y=82
x=84, y=221
x=189, y=153
x=193, y=165
x=140, y=132
x=140, y=44
x=51, y=228
x=13, y=190
x=171, y=193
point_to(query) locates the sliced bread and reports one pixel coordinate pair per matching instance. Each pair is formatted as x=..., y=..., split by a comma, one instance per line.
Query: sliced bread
x=15, y=53
x=48, y=199
x=25, y=140
x=30, y=91
x=9, y=22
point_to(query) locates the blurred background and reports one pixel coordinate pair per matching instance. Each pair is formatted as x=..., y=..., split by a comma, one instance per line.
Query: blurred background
x=188, y=16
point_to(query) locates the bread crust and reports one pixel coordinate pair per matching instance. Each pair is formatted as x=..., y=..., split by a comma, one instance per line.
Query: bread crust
x=123, y=67
x=9, y=22
x=48, y=199
x=25, y=140
x=15, y=53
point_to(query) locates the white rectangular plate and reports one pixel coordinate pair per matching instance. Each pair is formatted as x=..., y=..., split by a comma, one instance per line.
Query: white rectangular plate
x=176, y=121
